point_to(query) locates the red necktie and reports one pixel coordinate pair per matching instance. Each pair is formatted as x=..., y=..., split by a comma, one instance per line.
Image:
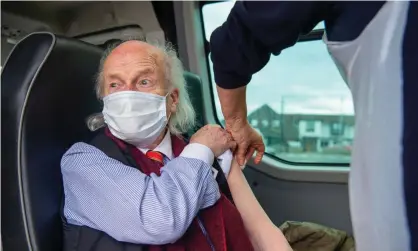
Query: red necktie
x=156, y=156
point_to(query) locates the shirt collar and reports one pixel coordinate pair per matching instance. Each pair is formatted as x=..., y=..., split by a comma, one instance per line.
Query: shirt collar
x=164, y=147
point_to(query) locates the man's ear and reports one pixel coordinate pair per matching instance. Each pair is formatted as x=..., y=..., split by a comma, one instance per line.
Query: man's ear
x=175, y=99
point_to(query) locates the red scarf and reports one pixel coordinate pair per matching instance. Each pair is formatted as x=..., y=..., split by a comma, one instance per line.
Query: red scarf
x=222, y=221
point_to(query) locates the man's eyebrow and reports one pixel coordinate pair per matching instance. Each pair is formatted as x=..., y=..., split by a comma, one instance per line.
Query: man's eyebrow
x=117, y=75
x=144, y=71
x=114, y=76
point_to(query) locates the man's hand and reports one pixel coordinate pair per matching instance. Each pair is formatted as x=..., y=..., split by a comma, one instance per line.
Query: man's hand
x=214, y=137
x=248, y=141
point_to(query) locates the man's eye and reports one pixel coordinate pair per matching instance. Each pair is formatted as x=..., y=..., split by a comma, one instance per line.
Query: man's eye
x=144, y=82
x=113, y=85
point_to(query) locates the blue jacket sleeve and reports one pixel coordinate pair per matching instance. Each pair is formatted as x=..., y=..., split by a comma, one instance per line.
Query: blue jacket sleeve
x=253, y=31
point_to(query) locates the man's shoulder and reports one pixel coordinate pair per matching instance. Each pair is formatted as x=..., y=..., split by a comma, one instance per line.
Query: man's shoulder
x=81, y=147
x=81, y=154
x=96, y=145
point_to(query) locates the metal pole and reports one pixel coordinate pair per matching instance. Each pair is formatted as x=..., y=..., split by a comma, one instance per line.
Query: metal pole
x=282, y=121
x=341, y=118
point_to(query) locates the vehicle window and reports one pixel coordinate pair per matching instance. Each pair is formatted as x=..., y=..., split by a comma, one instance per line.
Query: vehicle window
x=298, y=101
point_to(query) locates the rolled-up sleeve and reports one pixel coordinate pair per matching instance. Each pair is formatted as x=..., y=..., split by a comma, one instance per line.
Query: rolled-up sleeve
x=198, y=151
x=253, y=31
x=104, y=194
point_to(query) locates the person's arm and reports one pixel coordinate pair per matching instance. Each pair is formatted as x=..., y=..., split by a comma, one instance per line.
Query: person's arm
x=242, y=46
x=256, y=29
x=234, y=106
x=104, y=194
x=264, y=235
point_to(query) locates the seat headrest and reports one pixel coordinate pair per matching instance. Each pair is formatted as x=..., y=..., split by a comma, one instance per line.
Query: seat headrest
x=195, y=90
x=47, y=92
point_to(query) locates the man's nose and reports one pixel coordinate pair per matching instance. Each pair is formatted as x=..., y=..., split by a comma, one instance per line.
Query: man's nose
x=130, y=87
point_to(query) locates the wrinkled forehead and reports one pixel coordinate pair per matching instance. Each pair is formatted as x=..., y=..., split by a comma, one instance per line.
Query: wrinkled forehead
x=134, y=55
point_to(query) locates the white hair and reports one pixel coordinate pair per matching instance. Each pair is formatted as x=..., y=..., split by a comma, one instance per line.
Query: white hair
x=184, y=118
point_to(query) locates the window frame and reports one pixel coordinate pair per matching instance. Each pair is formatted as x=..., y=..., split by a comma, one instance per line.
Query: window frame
x=314, y=35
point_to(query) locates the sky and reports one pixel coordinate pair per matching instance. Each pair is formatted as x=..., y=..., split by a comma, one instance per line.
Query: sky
x=303, y=78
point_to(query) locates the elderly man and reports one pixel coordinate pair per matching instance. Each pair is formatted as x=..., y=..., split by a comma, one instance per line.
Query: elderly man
x=161, y=192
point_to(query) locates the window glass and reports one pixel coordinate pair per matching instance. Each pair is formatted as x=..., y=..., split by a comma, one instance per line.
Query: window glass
x=254, y=122
x=276, y=123
x=298, y=101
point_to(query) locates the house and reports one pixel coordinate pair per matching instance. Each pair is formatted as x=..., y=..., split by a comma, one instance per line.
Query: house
x=318, y=132
x=309, y=132
x=277, y=129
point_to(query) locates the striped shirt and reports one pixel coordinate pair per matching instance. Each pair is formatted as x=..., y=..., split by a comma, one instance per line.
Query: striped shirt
x=104, y=194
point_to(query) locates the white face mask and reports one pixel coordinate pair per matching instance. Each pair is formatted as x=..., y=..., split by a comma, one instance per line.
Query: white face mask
x=135, y=117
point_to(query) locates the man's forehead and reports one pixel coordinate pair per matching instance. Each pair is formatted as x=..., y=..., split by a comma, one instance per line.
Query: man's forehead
x=135, y=48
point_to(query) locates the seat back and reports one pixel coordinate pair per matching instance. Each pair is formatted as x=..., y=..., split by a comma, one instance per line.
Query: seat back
x=46, y=94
